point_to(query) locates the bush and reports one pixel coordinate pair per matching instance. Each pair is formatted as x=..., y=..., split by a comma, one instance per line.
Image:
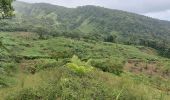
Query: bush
x=109, y=65
x=78, y=69
x=78, y=66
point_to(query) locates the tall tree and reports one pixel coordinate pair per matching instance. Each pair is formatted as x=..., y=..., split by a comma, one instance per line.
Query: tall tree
x=6, y=9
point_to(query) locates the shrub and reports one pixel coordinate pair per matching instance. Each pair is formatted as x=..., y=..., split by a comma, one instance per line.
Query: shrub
x=78, y=69
x=78, y=66
x=109, y=65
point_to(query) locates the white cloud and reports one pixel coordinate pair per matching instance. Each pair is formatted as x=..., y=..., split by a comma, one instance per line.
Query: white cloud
x=163, y=15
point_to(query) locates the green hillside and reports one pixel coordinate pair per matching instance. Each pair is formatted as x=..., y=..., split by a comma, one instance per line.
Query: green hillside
x=92, y=22
x=60, y=68
x=49, y=52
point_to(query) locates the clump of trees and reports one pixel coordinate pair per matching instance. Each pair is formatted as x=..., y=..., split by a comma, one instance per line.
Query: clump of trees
x=41, y=31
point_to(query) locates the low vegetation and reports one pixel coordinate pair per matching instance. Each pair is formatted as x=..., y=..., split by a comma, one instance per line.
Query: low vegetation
x=63, y=68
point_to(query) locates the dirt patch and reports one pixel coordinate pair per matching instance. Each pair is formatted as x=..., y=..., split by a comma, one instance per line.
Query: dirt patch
x=28, y=66
x=25, y=35
x=148, y=50
x=151, y=68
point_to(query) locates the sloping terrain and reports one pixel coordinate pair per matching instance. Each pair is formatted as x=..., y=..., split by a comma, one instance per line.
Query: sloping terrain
x=62, y=68
x=91, y=22
x=127, y=27
x=49, y=52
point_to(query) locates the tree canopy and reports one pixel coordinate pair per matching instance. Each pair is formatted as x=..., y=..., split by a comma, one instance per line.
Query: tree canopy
x=6, y=9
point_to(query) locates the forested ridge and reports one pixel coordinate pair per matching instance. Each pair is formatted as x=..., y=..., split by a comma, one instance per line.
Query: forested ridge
x=91, y=22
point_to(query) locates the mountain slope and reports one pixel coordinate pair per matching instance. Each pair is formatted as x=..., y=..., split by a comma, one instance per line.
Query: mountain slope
x=92, y=22
x=90, y=19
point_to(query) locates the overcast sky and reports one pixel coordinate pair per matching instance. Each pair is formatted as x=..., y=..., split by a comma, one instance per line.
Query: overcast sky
x=154, y=8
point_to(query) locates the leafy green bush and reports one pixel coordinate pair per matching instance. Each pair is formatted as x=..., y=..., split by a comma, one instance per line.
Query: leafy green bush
x=109, y=65
x=45, y=63
x=78, y=66
x=78, y=69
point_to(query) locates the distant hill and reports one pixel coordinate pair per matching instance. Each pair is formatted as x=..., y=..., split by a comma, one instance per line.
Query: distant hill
x=91, y=22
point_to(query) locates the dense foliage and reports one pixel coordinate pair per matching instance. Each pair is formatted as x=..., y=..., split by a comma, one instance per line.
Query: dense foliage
x=6, y=9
